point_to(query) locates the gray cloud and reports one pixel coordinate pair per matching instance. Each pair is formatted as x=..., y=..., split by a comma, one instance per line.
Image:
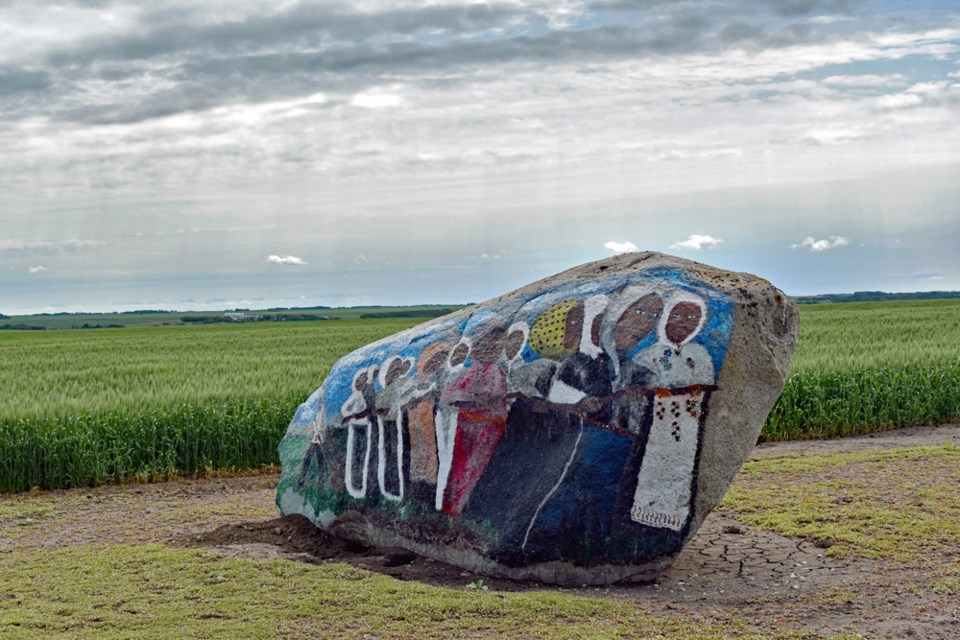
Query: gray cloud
x=17, y=81
x=24, y=248
x=793, y=8
x=311, y=25
x=199, y=63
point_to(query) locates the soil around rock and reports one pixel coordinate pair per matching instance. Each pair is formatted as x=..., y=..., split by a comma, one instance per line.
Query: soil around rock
x=728, y=570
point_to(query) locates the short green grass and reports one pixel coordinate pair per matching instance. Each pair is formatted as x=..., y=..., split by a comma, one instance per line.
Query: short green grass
x=156, y=592
x=871, y=504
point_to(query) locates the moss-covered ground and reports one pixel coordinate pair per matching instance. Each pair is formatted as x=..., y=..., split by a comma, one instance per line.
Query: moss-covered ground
x=900, y=503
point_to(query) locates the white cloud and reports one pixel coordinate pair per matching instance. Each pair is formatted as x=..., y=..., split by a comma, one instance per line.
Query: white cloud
x=833, y=135
x=697, y=242
x=621, y=247
x=376, y=100
x=900, y=100
x=38, y=269
x=821, y=245
x=291, y=260
x=866, y=80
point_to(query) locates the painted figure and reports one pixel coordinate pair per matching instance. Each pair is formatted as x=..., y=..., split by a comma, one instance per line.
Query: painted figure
x=480, y=395
x=314, y=454
x=357, y=416
x=667, y=475
x=421, y=410
x=391, y=432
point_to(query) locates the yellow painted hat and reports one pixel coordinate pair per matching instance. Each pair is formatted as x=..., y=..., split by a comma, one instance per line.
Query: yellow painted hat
x=546, y=334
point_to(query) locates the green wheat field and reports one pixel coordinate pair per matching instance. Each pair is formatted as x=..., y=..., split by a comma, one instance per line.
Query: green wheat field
x=82, y=408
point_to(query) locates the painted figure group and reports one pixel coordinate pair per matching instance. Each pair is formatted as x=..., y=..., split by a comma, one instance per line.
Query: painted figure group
x=577, y=412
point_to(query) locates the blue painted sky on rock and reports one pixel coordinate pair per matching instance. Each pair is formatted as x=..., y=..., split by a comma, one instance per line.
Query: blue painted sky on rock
x=210, y=155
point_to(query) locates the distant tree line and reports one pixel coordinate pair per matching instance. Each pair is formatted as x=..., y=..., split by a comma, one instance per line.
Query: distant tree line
x=875, y=296
x=87, y=325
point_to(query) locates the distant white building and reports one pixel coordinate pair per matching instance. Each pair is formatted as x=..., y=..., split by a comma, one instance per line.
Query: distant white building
x=239, y=316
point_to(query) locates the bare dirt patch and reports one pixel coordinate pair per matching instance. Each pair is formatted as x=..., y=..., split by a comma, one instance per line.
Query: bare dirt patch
x=729, y=570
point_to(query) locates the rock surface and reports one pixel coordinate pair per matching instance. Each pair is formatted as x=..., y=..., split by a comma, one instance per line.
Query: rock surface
x=575, y=431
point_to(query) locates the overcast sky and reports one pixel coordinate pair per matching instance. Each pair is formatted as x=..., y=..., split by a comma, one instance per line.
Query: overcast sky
x=210, y=155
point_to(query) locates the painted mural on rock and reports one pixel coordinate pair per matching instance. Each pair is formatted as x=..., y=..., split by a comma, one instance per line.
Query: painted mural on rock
x=562, y=426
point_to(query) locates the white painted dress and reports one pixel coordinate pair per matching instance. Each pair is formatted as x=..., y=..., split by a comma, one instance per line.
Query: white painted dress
x=665, y=482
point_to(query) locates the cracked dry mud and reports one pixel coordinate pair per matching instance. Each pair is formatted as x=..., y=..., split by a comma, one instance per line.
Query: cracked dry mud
x=728, y=570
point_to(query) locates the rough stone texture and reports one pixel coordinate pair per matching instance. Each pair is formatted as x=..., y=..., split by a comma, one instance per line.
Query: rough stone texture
x=575, y=431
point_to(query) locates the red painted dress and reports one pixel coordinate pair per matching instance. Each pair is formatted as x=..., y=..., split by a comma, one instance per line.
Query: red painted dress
x=480, y=397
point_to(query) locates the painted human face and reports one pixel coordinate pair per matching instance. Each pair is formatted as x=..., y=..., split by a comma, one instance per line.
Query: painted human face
x=488, y=348
x=360, y=381
x=573, y=327
x=432, y=359
x=683, y=321
x=396, y=369
x=514, y=343
x=459, y=354
x=637, y=321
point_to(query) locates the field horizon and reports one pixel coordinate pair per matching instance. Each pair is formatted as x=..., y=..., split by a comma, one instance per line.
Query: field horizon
x=165, y=317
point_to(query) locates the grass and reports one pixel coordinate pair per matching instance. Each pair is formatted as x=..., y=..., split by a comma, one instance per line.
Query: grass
x=87, y=407
x=862, y=367
x=152, y=591
x=900, y=504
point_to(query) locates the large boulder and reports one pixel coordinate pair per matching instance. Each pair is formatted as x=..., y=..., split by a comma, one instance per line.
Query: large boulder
x=575, y=431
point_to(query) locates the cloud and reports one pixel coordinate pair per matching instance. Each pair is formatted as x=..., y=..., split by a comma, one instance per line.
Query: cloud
x=866, y=80
x=188, y=59
x=288, y=260
x=792, y=8
x=38, y=269
x=821, y=245
x=697, y=242
x=22, y=247
x=621, y=247
x=13, y=81
x=832, y=136
x=376, y=100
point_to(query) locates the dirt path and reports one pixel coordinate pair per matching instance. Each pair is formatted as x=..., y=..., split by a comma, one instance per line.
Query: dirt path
x=727, y=571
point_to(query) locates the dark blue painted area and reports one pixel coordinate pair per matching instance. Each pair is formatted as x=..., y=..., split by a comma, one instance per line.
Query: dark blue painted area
x=582, y=502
